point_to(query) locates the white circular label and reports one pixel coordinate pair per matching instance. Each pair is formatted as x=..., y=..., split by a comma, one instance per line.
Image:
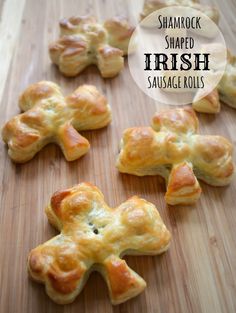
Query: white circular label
x=180, y=56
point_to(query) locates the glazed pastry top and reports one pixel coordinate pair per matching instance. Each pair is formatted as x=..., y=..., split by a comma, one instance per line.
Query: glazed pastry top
x=84, y=41
x=173, y=143
x=51, y=117
x=93, y=233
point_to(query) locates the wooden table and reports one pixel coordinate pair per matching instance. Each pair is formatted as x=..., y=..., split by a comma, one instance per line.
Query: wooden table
x=198, y=273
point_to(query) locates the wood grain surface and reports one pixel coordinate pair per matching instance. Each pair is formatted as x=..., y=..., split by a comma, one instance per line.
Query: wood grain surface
x=198, y=273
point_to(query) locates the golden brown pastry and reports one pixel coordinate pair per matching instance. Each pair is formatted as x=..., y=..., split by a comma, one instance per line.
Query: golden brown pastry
x=173, y=149
x=51, y=117
x=209, y=103
x=153, y=5
x=225, y=91
x=227, y=85
x=93, y=238
x=84, y=41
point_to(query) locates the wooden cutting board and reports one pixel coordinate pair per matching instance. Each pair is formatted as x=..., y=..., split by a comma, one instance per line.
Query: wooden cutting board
x=198, y=273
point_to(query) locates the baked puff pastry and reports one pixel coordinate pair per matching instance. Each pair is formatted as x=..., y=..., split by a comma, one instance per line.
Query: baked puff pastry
x=227, y=85
x=84, y=41
x=154, y=5
x=210, y=103
x=93, y=238
x=225, y=91
x=173, y=149
x=50, y=117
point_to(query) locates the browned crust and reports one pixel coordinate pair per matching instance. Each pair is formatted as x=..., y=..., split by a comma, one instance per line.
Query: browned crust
x=65, y=283
x=120, y=277
x=61, y=263
x=74, y=21
x=68, y=46
x=35, y=262
x=72, y=139
x=91, y=98
x=173, y=149
x=181, y=176
x=108, y=51
x=50, y=117
x=179, y=120
x=57, y=199
x=84, y=41
x=119, y=26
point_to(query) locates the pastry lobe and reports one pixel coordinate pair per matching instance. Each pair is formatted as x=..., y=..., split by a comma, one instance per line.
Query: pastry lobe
x=70, y=53
x=212, y=159
x=176, y=121
x=49, y=117
x=92, y=238
x=225, y=91
x=84, y=41
x=210, y=103
x=227, y=85
x=173, y=149
x=60, y=264
x=120, y=32
x=74, y=24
